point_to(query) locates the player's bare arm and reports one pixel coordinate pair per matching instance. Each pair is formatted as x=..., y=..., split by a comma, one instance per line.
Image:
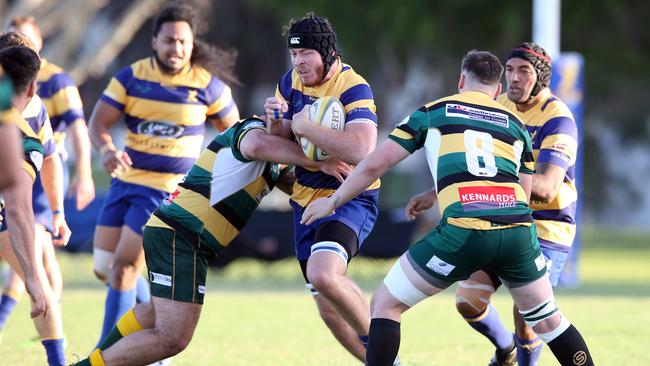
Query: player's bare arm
x=223, y=123
x=526, y=182
x=82, y=184
x=18, y=200
x=103, y=118
x=351, y=145
x=10, y=151
x=420, y=203
x=370, y=169
x=547, y=181
x=52, y=180
x=255, y=146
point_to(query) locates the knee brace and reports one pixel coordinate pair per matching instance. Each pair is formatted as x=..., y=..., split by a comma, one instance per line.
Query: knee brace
x=472, y=298
x=401, y=287
x=543, y=312
x=102, y=260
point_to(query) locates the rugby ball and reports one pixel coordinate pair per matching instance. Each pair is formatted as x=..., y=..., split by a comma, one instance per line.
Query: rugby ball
x=327, y=112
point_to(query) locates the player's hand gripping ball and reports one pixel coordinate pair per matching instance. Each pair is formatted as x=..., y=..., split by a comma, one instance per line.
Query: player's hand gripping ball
x=327, y=112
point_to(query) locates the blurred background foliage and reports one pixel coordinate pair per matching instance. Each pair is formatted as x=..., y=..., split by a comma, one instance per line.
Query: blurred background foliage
x=409, y=51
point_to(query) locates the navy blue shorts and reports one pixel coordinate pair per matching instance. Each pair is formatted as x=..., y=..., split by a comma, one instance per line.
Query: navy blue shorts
x=360, y=215
x=129, y=204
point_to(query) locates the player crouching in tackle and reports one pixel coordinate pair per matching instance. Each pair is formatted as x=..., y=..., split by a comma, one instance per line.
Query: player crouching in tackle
x=480, y=157
x=204, y=214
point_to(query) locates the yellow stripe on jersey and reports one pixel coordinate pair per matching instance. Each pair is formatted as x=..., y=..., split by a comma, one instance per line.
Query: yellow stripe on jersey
x=190, y=76
x=206, y=160
x=562, y=143
x=154, y=221
x=362, y=103
x=48, y=70
x=401, y=134
x=304, y=195
x=479, y=224
x=219, y=227
x=166, y=182
x=68, y=96
x=566, y=196
x=152, y=110
x=185, y=146
x=255, y=187
x=556, y=231
x=116, y=91
x=224, y=101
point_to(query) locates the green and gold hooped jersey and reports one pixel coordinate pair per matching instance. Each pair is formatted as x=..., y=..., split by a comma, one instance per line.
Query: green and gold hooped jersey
x=33, y=135
x=476, y=150
x=220, y=192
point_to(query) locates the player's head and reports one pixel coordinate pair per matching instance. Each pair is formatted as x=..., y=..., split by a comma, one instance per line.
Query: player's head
x=10, y=39
x=28, y=27
x=21, y=64
x=480, y=70
x=176, y=42
x=312, y=43
x=173, y=36
x=528, y=71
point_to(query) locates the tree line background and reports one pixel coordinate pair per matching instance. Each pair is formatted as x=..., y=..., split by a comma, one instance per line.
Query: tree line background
x=409, y=51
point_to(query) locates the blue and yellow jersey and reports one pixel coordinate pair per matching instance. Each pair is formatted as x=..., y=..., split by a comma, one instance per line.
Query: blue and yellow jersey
x=476, y=149
x=61, y=97
x=165, y=117
x=356, y=96
x=554, y=135
x=38, y=142
x=220, y=192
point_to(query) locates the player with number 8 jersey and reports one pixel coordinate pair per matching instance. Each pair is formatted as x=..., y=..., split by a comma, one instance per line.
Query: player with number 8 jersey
x=476, y=149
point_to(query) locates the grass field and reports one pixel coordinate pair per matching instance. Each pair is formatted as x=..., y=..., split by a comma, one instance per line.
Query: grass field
x=260, y=314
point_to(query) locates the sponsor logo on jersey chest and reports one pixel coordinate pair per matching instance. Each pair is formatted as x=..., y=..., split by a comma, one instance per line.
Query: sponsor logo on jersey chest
x=160, y=129
x=463, y=111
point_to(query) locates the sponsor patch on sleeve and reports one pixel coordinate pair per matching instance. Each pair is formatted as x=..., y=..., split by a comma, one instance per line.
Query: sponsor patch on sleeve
x=463, y=111
x=476, y=198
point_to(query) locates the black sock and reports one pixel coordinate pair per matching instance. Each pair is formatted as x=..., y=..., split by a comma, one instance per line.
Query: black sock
x=570, y=348
x=383, y=342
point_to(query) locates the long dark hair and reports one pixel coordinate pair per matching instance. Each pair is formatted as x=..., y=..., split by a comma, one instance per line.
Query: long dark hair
x=218, y=61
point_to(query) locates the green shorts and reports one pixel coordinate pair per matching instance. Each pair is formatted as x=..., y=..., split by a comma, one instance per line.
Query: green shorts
x=450, y=253
x=177, y=267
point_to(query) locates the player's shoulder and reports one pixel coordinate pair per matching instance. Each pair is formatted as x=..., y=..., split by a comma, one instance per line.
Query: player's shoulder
x=350, y=76
x=289, y=81
x=49, y=70
x=34, y=108
x=554, y=107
